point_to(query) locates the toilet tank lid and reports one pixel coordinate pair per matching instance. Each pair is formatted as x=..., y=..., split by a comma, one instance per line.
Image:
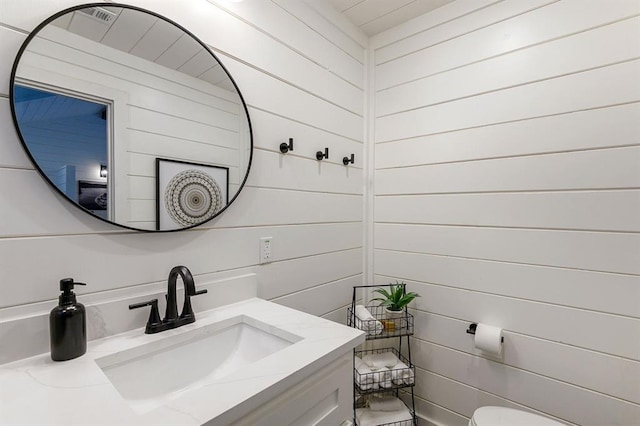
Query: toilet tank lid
x=501, y=416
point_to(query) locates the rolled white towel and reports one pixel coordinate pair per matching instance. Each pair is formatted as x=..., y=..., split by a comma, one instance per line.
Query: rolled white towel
x=366, y=322
x=401, y=373
x=365, y=377
x=385, y=379
x=384, y=359
x=388, y=403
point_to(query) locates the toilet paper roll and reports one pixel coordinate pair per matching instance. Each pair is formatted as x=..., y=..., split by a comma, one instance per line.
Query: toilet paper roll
x=488, y=339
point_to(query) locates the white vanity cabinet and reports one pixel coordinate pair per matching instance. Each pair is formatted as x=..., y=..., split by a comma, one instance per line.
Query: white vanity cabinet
x=324, y=398
x=305, y=380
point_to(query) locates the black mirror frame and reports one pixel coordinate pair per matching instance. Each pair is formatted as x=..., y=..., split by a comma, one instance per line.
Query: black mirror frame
x=55, y=16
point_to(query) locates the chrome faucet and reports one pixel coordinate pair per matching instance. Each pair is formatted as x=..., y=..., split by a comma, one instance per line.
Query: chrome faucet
x=171, y=318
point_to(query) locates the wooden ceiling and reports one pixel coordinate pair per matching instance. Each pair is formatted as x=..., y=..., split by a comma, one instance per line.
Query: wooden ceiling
x=375, y=16
x=147, y=37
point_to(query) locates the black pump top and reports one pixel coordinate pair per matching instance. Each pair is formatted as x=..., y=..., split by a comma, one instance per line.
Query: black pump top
x=68, y=296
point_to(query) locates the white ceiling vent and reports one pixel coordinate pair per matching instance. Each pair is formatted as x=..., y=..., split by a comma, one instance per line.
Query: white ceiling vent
x=99, y=14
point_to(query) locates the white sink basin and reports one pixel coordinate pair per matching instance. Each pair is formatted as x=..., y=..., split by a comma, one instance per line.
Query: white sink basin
x=149, y=375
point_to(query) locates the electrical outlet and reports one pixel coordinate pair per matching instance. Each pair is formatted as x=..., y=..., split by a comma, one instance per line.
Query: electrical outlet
x=265, y=249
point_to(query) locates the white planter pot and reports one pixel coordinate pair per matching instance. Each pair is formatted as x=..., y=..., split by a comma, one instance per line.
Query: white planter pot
x=393, y=314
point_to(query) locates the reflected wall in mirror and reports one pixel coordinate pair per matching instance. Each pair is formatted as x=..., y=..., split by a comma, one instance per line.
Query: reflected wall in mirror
x=100, y=93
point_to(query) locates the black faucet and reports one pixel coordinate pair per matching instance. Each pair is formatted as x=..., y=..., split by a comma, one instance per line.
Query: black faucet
x=171, y=318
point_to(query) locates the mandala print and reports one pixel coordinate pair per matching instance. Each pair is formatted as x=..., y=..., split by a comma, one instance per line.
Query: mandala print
x=192, y=197
x=101, y=201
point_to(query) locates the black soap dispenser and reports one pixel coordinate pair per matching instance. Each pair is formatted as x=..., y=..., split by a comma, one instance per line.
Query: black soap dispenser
x=68, y=324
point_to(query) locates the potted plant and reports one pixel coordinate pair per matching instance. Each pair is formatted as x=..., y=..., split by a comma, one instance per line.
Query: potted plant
x=395, y=299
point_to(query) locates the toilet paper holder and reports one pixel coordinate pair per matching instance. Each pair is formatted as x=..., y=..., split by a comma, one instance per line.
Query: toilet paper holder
x=472, y=330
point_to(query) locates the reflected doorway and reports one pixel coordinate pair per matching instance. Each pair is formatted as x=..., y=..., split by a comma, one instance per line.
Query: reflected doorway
x=68, y=137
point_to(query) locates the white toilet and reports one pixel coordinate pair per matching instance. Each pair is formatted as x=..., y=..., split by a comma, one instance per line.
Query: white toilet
x=501, y=416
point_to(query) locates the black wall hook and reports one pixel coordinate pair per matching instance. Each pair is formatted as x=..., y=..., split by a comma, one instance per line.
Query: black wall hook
x=347, y=160
x=284, y=147
x=320, y=155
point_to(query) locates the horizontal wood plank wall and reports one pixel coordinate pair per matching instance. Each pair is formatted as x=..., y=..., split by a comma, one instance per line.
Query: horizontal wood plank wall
x=302, y=77
x=507, y=191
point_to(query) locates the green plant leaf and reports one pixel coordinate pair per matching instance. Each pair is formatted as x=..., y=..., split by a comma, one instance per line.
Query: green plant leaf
x=395, y=299
x=383, y=292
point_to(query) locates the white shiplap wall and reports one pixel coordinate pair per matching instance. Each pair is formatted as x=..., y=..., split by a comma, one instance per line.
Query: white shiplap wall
x=507, y=176
x=301, y=74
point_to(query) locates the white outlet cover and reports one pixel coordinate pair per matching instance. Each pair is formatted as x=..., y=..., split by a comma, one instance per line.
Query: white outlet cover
x=266, y=249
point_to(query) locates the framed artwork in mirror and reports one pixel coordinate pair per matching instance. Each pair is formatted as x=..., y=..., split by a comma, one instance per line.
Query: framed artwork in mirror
x=188, y=193
x=93, y=196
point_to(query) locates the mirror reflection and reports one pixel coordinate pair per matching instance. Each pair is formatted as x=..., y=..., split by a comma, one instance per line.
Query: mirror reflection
x=131, y=118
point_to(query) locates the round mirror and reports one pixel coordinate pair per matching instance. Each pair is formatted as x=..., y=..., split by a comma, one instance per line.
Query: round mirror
x=131, y=117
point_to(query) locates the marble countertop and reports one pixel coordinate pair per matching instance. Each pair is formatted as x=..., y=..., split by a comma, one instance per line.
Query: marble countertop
x=38, y=390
